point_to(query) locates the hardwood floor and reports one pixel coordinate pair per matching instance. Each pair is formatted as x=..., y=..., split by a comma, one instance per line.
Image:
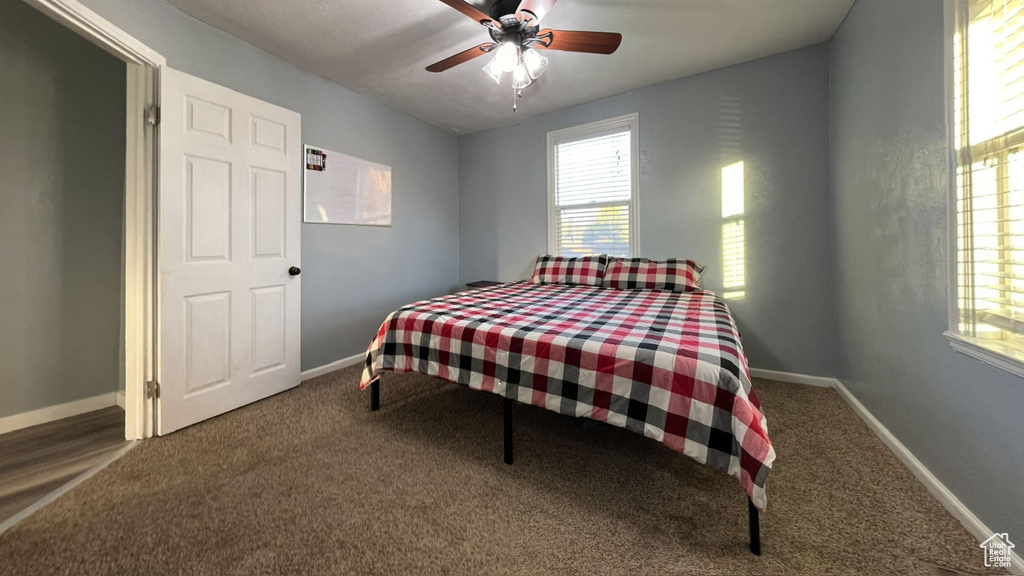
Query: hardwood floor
x=38, y=460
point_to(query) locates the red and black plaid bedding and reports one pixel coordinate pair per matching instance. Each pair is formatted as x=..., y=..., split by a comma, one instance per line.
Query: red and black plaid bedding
x=666, y=365
x=644, y=274
x=563, y=270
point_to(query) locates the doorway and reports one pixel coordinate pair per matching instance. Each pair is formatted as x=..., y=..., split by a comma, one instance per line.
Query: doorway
x=139, y=255
x=251, y=187
x=62, y=214
x=261, y=177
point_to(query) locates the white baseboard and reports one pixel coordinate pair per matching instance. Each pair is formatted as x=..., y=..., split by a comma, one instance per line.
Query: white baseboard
x=935, y=487
x=336, y=365
x=51, y=413
x=949, y=501
x=119, y=399
x=791, y=377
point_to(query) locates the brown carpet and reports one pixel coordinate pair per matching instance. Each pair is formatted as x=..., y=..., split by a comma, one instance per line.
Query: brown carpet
x=311, y=482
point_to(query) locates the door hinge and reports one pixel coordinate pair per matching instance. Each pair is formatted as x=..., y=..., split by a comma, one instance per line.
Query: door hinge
x=152, y=115
x=152, y=389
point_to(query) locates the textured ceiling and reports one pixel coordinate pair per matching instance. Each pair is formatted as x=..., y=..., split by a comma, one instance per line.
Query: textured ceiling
x=380, y=48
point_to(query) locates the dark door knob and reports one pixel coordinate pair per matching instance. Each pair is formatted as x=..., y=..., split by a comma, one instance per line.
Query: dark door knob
x=294, y=271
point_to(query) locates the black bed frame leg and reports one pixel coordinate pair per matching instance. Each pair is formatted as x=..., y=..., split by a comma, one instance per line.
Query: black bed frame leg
x=375, y=395
x=507, y=405
x=755, y=529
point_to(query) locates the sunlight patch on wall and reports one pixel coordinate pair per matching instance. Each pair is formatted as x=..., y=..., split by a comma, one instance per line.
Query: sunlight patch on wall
x=732, y=190
x=733, y=233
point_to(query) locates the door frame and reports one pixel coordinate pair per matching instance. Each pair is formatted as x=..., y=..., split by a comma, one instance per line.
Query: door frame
x=144, y=66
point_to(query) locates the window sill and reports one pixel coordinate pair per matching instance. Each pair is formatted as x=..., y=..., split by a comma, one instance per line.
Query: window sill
x=988, y=352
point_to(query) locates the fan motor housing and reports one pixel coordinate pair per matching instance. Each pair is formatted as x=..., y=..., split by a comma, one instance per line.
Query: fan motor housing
x=504, y=11
x=512, y=30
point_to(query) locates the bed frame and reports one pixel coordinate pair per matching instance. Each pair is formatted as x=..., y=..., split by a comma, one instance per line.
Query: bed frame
x=507, y=410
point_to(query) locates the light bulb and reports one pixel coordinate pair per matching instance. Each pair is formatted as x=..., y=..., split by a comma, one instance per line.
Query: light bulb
x=521, y=77
x=535, y=63
x=507, y=56
x=494, y=70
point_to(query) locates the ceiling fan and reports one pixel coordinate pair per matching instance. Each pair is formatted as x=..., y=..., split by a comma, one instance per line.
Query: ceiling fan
x=515, y=31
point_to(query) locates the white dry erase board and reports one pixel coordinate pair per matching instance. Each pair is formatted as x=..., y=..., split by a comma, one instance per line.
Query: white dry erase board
x=342, y=189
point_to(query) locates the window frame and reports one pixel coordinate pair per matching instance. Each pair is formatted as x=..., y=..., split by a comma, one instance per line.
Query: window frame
x=581, y=132
x=986, y=351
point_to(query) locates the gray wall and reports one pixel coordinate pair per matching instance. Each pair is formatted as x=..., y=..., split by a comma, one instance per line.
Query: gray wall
x=62, y=130
x=771, y=113
x=960, y=417
x=352, y=276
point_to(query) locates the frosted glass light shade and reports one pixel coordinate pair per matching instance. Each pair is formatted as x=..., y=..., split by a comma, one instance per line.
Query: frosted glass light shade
x=521, y=77
x=535, y=63
x=494, y=70
x=507, y=56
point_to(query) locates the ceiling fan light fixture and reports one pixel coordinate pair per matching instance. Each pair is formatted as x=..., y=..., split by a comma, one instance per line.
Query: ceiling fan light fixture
x=507, y=56
x=521, y=77
x=534, y=62
x=494, y=70
x=513, y=26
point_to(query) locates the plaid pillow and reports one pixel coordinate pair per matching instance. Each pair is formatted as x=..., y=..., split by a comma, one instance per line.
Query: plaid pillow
x=644, y=274
x=587, y=270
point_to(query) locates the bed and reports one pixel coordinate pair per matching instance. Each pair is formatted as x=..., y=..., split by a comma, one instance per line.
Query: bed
x=667, y=365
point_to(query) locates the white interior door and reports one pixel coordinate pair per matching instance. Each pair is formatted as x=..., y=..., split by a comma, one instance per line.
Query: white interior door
x=229, y=225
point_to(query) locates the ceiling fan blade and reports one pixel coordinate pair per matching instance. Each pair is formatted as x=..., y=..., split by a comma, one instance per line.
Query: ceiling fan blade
x=461, y=57
x=536, y=8
x=471, y=11
x=574, y=41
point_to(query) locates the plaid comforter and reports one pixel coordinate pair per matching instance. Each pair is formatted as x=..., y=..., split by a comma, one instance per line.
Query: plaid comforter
x=666, y=365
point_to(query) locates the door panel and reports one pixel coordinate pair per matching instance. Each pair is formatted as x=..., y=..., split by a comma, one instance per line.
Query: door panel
x=269, y=198
x=207, y=341
x=268, y=328
x=229, y=225
x=267, y=133
x=207, y=118
x=208, y=209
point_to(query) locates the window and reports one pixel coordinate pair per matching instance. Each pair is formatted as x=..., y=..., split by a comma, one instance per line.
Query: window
x=988, y=107
x=592, y=189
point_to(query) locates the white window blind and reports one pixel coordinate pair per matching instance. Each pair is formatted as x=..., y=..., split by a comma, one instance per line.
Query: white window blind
x=592, y=182
x=989, y=140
